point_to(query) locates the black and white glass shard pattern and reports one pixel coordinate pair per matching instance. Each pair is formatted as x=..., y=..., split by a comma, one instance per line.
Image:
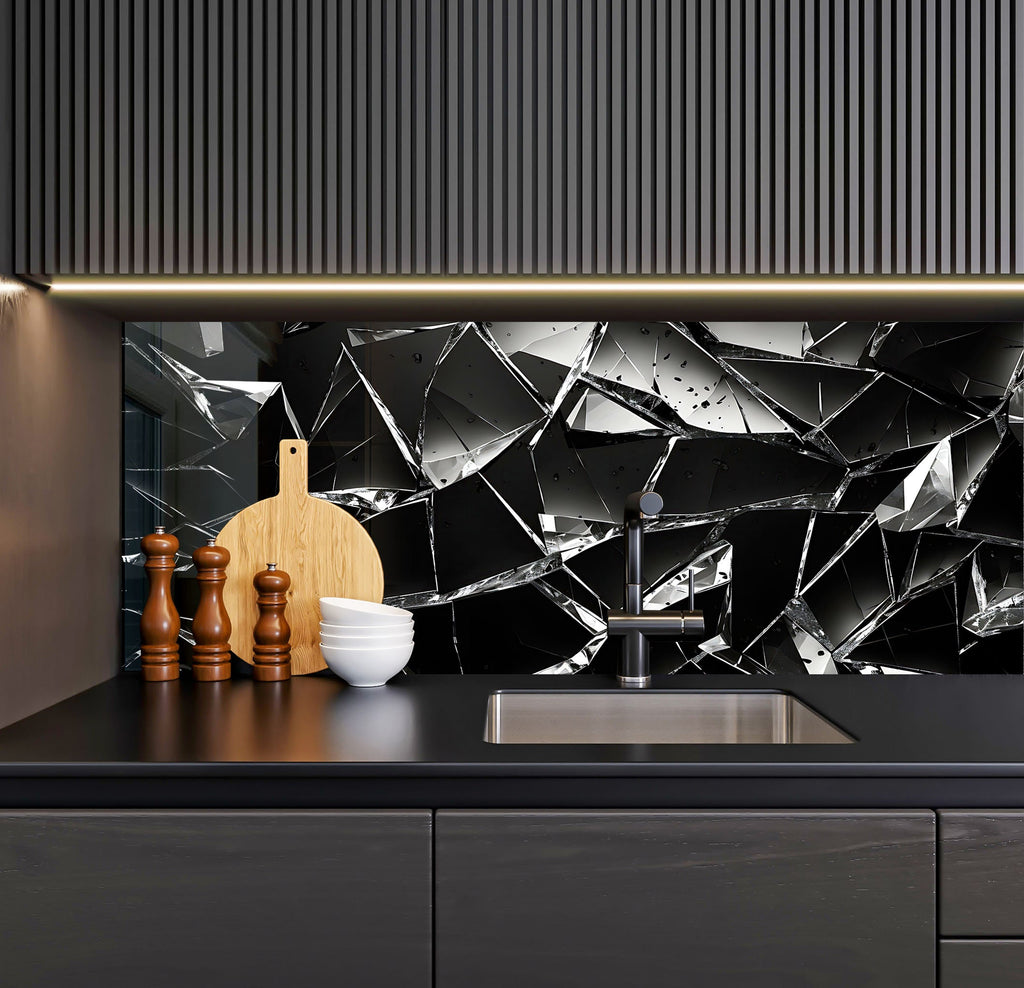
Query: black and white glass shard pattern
x=848, y=494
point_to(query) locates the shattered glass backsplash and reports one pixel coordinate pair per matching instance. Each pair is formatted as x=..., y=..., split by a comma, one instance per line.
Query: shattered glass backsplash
x=849, y=495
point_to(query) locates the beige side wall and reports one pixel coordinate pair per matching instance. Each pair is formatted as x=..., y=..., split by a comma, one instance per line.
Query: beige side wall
x=60, y=438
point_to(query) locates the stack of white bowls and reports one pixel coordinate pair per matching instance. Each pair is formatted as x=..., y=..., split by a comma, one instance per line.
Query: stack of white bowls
x=362, y=642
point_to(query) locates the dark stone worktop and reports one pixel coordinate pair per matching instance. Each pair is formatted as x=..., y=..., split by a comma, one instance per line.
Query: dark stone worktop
x=921, y=742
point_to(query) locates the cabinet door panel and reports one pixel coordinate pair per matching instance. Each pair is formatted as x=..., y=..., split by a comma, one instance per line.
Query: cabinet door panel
x=171, y=899
x=981, y=963
x=605, y=898
x=982, y=868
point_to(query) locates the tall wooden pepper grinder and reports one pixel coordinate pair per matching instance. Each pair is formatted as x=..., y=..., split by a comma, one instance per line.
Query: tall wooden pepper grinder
x=272, y=651
x=160, y=624
x=211, y=656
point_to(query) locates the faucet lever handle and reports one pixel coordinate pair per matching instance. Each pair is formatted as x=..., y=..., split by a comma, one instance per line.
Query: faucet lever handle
x=692, y=590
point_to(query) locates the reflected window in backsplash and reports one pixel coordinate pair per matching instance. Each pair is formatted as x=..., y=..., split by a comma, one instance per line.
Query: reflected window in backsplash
x=848, y=494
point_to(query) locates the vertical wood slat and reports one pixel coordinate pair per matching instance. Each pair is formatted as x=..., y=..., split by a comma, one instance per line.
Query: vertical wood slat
x=516, y=136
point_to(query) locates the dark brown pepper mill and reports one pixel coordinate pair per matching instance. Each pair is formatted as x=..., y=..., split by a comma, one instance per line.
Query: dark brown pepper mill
x=211, y=655
x=272, y=651
x=160, y=624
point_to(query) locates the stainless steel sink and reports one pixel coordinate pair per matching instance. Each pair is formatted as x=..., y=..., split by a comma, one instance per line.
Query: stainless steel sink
x=655, y=717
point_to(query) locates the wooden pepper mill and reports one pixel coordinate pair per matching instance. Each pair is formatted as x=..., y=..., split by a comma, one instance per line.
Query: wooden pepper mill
x=160, y=623
x=271, y=651
x=211, y=656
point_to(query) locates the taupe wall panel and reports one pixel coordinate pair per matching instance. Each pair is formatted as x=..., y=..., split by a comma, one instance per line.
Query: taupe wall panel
x=60, y=501
x=554, y=136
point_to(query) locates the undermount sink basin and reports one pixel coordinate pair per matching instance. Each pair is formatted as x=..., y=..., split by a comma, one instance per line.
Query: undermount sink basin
x=655, y=717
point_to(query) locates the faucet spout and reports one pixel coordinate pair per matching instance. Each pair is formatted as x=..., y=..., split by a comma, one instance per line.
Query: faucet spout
x=642, y=504
x=633, y=623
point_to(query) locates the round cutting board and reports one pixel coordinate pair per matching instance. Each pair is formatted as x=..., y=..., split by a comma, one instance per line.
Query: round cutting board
x=325, y=551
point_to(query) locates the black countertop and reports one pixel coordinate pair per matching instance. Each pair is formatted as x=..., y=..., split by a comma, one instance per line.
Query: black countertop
x=921, y=741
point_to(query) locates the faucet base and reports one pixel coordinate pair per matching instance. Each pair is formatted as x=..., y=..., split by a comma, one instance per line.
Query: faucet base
x=635, y=682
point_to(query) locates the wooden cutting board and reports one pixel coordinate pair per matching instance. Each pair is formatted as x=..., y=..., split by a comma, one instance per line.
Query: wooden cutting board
x=325, y=551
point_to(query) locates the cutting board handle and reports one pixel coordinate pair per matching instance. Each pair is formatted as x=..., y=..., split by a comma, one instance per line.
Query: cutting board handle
x=293, y=464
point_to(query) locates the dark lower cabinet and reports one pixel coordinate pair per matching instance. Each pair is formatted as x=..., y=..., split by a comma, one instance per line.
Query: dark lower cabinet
x=981, y=963
x=179, y=899
x=605, y=898
x=981, y=895
x=981, y=854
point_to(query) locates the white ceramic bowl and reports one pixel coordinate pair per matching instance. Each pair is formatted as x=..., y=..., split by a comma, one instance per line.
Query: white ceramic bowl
x=343, y=610
x=367, y=666
x=371, y=631
x=359, y=641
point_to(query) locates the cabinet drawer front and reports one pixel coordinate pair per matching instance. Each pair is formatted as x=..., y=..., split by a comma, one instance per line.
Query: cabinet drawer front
x=981, y=873
x=981, y=963
x=667, y=898
x=168, y=899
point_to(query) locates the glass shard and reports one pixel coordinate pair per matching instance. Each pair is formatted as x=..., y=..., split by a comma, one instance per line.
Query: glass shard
x=934, y=561
x=588, y=619
x=476, y=537
x=712, y=568
x=560, y=342
x=778, y=337
x=812, y=392
x=363, y=500
x=229, y=406
x=474, y=410
x=829, y=534
x=356, y=449
x=1015, y=412
x=658, y=360
x=201, y=339
x=975, y=360
x=578, y=662
x=995, y=597
x=566, y=535
x=570, y=500
x=889, y=415
x=839, y=342
x=402, y=536
x=920, y=634
x=519, y=630
x=787, y=648
x=551, y=356
x=381, y=332
x=709, y=475
x=515, y=577
x=850, y=592
x=927, y=498
x=725, y=655
x=594, y=412
x=939, y=490
x=996, y=505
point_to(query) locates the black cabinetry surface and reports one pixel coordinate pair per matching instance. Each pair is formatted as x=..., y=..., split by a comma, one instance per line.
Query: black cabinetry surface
x=596, y=898
x=256, y=898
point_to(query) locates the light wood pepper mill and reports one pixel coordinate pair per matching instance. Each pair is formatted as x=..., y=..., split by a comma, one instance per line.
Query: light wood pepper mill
x=271, y=651
x=211, y=655
x=160, y=624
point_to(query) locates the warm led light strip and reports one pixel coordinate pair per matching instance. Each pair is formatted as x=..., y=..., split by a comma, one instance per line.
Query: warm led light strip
x=440, y=285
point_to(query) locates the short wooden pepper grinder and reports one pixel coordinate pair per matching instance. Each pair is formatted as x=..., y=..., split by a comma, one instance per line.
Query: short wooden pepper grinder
x=271, y=651
x=211, y=655
x=160, y=624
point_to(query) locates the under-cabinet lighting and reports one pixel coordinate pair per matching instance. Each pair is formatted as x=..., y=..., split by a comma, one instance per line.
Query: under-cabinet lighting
x=586, y=287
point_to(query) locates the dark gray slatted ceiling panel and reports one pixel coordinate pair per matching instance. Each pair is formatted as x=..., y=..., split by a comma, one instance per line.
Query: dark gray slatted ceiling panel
x=554, y=136
x=6, y=140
